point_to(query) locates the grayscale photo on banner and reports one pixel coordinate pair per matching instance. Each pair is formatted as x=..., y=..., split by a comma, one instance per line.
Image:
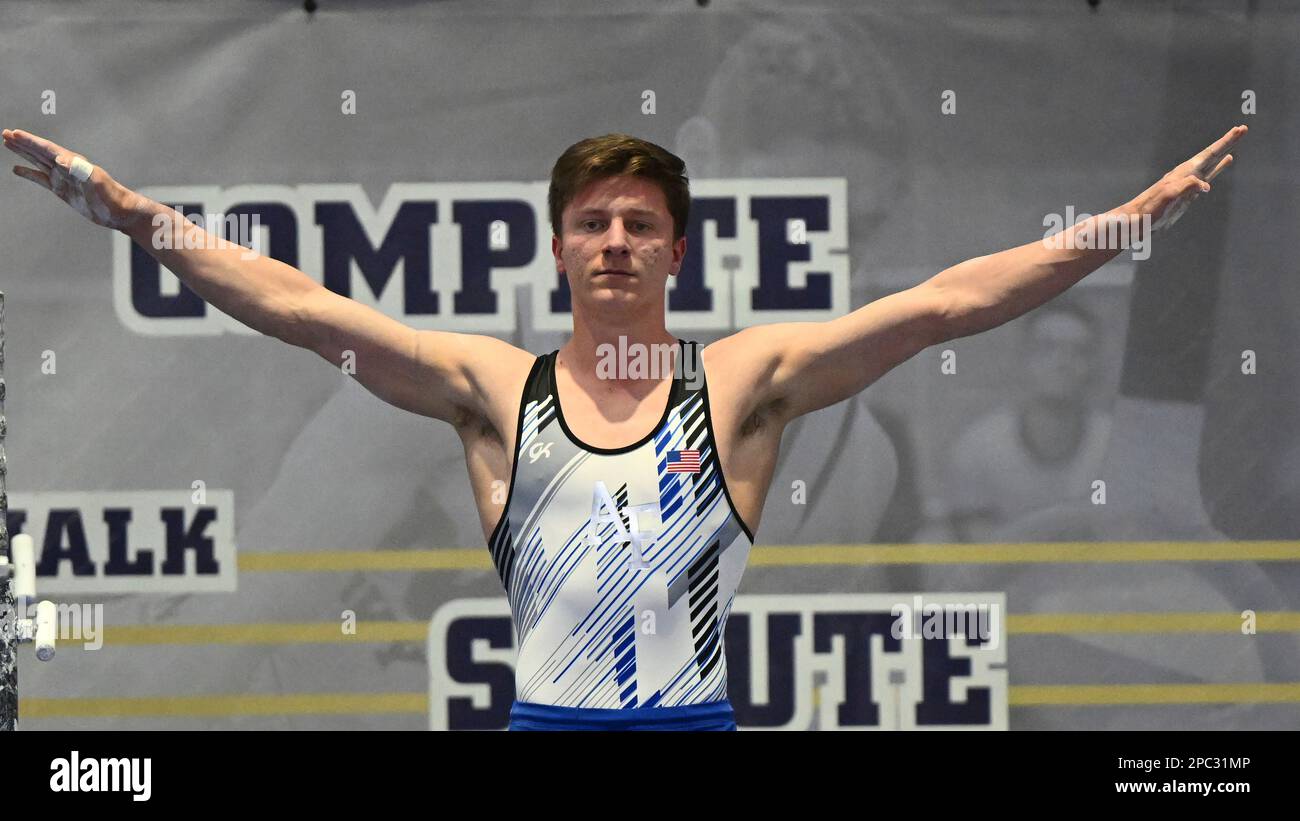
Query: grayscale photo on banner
x=624, y=366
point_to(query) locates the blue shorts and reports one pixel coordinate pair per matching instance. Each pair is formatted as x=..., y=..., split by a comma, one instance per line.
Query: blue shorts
x=714, y=715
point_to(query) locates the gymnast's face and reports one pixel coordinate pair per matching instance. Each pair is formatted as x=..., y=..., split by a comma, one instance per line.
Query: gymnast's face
x=618, y=224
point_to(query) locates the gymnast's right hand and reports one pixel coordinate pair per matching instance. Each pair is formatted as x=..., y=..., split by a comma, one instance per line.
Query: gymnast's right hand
x=87, y=188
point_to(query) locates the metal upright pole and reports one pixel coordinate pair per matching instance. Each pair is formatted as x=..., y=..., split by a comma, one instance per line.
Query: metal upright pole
x=8, y=616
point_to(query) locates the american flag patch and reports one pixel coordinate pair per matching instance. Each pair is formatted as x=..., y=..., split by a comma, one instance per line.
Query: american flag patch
x=683, y=461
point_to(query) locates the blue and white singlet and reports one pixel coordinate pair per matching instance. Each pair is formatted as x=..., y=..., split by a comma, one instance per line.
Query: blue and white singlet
x=621, y=565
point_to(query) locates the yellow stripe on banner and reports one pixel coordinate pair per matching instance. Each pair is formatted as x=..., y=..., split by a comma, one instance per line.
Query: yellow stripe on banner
x=367, y=632
x=1079, y=623
x=227, y=705
x=335, y=561
x=389, y=632
x=1029, y=553
x=1076, y=695
x=1053, y=695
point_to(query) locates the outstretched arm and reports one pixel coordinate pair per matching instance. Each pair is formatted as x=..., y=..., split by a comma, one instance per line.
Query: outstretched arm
x=431, y=373
x=260, y=292
x=800, y=367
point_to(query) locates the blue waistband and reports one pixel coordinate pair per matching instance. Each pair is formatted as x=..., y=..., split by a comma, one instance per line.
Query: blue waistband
x=713, y=715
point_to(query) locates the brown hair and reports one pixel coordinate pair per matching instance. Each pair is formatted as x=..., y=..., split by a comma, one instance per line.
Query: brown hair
x=614, y=155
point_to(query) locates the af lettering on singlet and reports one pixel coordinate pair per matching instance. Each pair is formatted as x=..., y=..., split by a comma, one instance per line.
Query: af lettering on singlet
x=595, y=543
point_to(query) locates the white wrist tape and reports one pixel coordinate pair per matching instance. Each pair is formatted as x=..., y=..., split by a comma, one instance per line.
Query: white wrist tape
x=80, y=169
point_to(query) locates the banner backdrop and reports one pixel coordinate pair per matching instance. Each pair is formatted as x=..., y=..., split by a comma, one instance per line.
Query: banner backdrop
x=242, y=536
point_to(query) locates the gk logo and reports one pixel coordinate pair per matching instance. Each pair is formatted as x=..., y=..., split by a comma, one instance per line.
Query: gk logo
x=537, y=450
x=640, y=540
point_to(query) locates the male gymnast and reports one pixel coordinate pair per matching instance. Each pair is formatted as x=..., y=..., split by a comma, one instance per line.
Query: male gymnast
x=632, y=498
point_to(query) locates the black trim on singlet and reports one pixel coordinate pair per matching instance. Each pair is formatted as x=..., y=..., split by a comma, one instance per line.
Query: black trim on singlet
x=674, y=397
x=514, y=456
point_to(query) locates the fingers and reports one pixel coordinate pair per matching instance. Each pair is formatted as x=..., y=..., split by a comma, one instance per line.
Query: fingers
x=1223, y=163
x=39, y=177
x=1225, y=142
x=28, y=154
x=39, y=150
x=1219, y=147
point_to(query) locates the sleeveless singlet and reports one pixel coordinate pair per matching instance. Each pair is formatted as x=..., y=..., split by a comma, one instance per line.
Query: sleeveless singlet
x=621, y=565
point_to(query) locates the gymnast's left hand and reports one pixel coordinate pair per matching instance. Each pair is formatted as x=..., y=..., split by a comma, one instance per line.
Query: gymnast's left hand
x=1166, y=201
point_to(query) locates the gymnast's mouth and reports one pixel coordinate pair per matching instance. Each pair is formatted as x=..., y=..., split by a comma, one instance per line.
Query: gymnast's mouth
x=614, y=272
